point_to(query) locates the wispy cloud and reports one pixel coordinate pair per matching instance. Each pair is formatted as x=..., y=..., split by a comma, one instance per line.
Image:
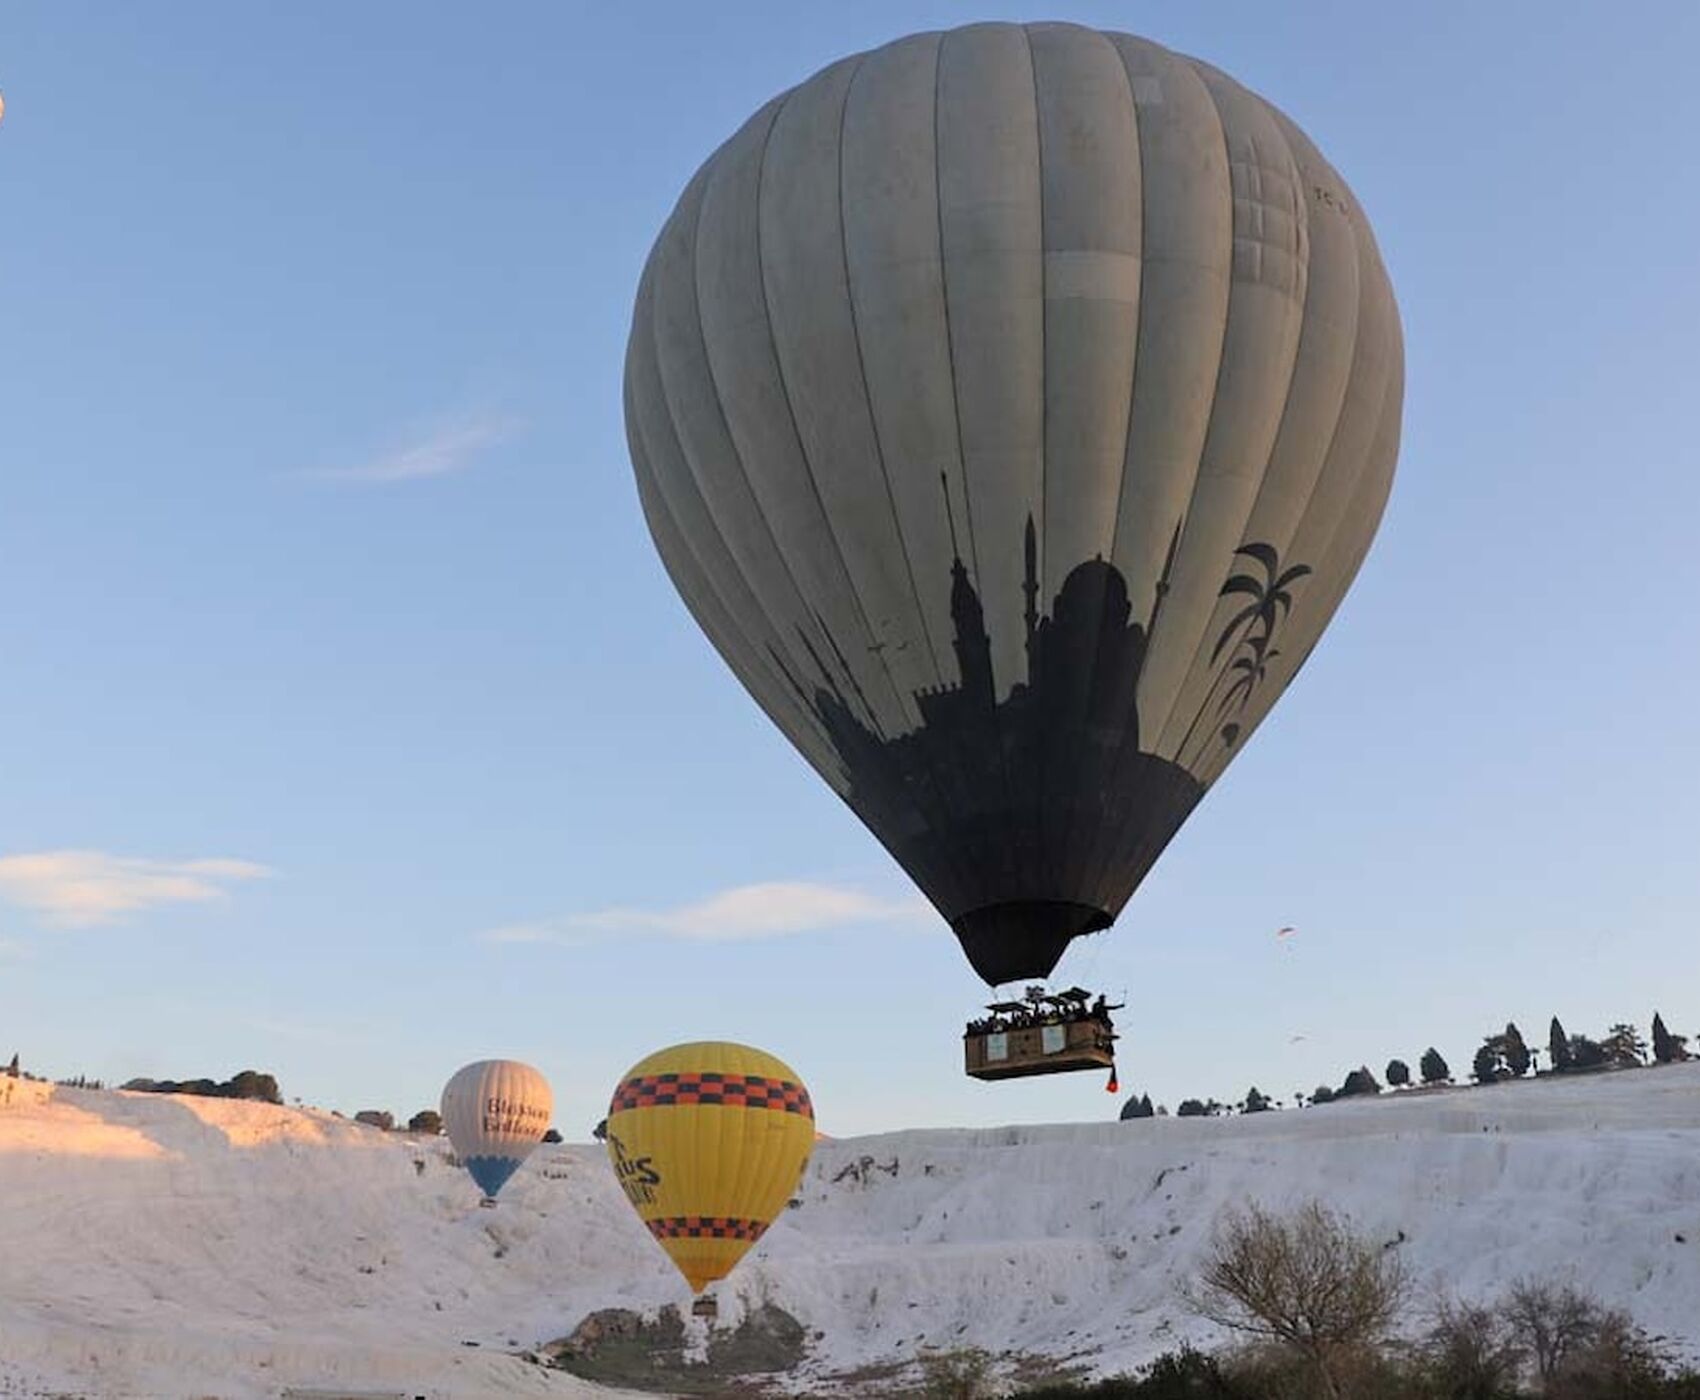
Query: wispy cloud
x=772, y=909
x=77, y=889
x=447, y=448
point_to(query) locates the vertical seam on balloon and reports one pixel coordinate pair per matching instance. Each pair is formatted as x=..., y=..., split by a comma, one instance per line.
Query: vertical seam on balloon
x=961, y=448
x=1091, y=846
x=1037, y=870
x=1216, y=388
x=1144, y=740
x=1210, y=690
x=882, y=666
x=944, y=301
x=808, y=613
x=867, y=388
x=672, y=423
x=950, y=862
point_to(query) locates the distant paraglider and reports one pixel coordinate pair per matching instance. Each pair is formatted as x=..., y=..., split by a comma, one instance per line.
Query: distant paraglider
x=1013, y=407
x=709, y=1140
x=495, y=1113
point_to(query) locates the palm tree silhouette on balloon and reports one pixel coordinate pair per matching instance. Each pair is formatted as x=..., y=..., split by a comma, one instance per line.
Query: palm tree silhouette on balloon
x=1270, y=600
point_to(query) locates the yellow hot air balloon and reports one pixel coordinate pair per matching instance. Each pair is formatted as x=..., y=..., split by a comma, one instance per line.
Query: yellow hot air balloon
x=709, y=1140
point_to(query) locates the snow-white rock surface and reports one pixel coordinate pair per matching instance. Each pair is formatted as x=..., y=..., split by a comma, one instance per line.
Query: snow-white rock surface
x=172, y=1246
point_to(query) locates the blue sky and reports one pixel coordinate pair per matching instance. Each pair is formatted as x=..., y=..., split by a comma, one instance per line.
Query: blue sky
x=332, y=643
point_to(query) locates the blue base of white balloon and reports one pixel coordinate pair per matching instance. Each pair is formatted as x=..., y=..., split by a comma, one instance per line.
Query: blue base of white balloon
x=491, y=1173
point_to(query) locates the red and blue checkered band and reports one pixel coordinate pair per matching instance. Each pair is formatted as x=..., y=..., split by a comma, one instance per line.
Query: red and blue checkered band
x=729, y=1090
x=706, y=1227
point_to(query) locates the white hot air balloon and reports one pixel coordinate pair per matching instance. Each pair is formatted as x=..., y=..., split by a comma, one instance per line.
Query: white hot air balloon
x=496, y=1112
x=1012, y=407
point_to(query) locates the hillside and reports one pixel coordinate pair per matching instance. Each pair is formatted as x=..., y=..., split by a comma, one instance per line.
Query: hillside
x=172, y=1246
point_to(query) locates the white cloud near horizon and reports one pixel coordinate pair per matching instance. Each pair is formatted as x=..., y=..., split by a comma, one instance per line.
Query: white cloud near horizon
x=770, y=909
x=79, y=889
x=446, y=449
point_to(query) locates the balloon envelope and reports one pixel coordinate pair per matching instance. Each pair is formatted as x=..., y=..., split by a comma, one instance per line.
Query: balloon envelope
x=1012, y=407
x=495, y=1113
x=709, y=1140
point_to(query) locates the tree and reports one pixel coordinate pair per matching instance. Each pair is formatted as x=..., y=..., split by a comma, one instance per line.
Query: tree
x=1254, y=1102
x=1558, y=1048
x=553, y=1135
x=427, y=1121
x=380, y=1118
x=1586, y=1053
x=1667, y=1048
x=1306, y=1283
x=1137, y=1106
x=1488, y=1065
x=1398, y=1074
x=251, y=1084
x=1434, y=1068
x=1359, y=1081
x=1191, y=1108
x=1470, y=1352
x=12, y=1068
x=1322, y=1094
x=1623, y=1045
x=1514, y=1051
x=600, y=1131
x=1548, y=1321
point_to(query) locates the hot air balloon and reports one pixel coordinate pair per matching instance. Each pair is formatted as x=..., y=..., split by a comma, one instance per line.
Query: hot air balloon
x=1012, y=407
x=495, y=1112
x=708, y=1141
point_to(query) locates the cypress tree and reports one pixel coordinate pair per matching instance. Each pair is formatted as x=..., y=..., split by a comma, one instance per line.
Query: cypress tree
x=1558, y=1048
x=1662, y=1049
x=1515, y=1051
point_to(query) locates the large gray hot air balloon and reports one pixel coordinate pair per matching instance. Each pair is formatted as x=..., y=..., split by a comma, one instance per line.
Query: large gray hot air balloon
x=1012, y=408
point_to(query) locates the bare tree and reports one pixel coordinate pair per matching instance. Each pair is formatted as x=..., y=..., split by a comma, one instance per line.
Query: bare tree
x=1306, y=1283
x=1548, y=1322
x=1470, y=1351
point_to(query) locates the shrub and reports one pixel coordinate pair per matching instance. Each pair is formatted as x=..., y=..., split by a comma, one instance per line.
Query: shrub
x=249, y=1084
x=1434, y=1068
x=962, y=1374
x=427, y=1121
x=1191, y=1108
x=380, y=1118
x=1469, y=1353
x=1175, y=1375
x=1398, y=1074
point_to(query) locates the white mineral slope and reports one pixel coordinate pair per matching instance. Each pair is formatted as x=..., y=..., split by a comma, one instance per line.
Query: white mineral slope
x=155, y=1246
x=174, y=1246
x=1073, y=1240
